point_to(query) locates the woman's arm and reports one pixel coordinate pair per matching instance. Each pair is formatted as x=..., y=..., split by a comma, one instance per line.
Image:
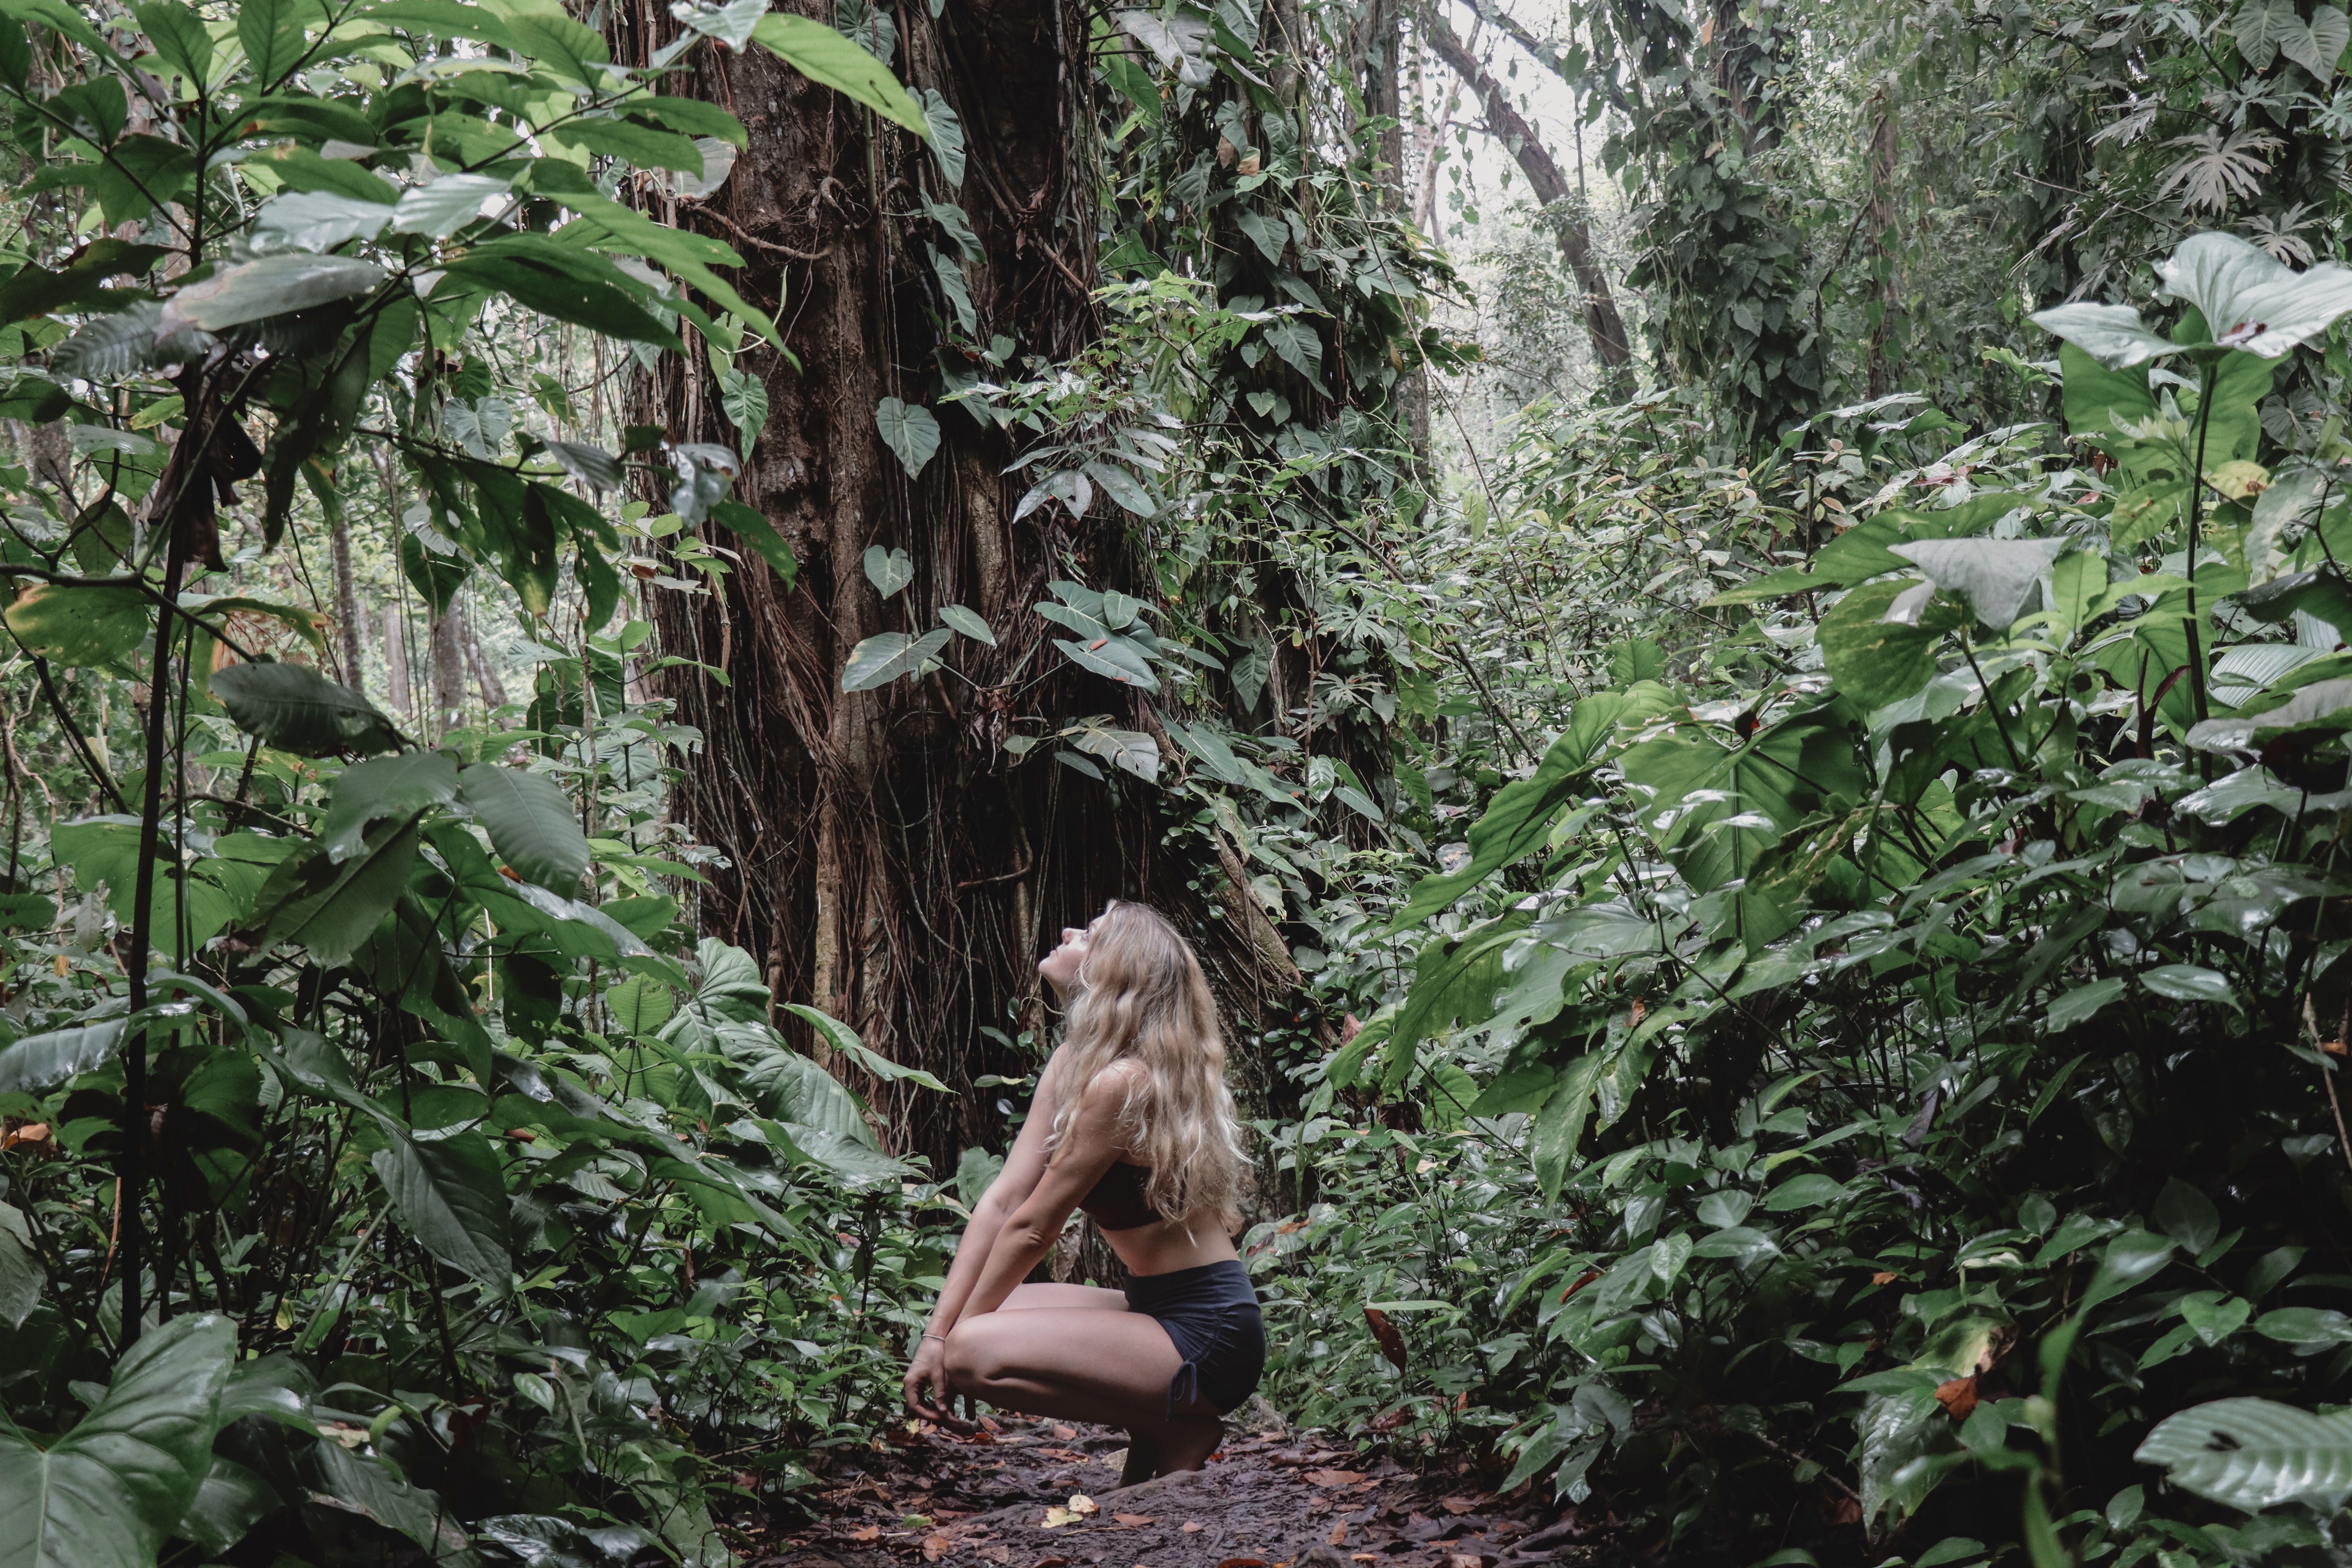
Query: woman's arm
x=1029, y=1232
x=1025, y=1165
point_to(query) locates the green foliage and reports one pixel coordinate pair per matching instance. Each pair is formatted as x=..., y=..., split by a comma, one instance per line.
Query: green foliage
x=1894, y=1039
x=465, y=1202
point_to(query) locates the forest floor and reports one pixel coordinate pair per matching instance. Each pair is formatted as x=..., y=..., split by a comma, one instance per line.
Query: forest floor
x=1045, y=1494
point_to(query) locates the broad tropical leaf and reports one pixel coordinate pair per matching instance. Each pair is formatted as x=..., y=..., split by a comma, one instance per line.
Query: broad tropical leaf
x=530, y=822
x=108, y=1492
x=301, y=711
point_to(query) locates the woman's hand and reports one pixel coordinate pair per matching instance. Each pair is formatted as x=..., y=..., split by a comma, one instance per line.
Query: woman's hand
x=927, y=1394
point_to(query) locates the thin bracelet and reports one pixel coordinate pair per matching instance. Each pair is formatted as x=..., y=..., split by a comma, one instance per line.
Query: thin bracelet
x=941, y=1338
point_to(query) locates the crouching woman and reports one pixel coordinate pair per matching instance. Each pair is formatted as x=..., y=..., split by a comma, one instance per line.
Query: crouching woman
x=1134, y=1124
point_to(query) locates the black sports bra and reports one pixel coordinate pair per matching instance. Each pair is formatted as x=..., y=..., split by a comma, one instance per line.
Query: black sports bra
x=1117, y=1202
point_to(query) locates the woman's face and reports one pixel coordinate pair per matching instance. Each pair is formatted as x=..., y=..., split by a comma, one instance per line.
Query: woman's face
x=1060, y=966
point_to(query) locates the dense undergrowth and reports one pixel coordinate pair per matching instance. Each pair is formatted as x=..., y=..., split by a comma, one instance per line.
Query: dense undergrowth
x=1845, y=924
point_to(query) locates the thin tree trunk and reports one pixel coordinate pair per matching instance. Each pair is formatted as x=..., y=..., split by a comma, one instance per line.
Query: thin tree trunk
x=395, y=657
x=1885, y=146
x=1602, y=324
x=485, y=676
x=347, y=600
x=448, y=656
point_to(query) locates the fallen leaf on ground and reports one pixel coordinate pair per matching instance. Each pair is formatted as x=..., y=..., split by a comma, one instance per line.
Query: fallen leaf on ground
x=1339, y=1533
x=1134, y=1521
x=936, y=1547
x=1465, y=1560
x=1081, y=1503
x=1057, y=1517
x=1242, y=1562
x=866, y=1532
x=1190, y=1526
x=1458, y=1504
x=1064, y=1434
x=1334, y=1478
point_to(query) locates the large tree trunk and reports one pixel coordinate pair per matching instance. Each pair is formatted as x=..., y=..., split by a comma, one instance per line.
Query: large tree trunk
x=1602, y=324
x=890, y=860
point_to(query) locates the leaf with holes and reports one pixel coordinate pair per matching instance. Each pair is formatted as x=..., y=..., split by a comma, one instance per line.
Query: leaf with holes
x=2253, y=1453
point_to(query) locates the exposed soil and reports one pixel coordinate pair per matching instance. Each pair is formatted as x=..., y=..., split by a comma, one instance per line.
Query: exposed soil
x=1046, y=1495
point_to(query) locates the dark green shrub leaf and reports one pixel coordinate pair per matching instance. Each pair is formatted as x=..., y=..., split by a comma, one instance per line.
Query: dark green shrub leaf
x=301, y=711
x=108, y=1492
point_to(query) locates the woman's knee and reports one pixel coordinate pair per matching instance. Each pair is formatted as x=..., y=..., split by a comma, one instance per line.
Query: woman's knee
x=974, y=1361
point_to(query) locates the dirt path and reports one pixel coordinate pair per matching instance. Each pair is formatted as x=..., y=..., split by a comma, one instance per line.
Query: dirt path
x=1045, y=1495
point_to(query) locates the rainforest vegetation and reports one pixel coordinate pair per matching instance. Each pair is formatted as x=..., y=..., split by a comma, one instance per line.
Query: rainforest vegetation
x=1725, y=620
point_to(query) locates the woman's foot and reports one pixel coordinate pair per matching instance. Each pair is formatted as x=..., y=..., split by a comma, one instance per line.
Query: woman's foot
x=1142, y=1461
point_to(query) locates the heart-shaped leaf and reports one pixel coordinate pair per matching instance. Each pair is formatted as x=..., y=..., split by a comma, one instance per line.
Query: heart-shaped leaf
x=889, y=570
x=2250, y=299
x=1994, y=575
x=968, y=622
x=108, y=1492
x=910, y=430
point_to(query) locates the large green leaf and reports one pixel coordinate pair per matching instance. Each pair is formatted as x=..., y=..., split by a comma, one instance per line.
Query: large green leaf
x=885, y=657
x=2252, y=1454
x=90, y=625
x=268, y=285
x=21, y=1273
x=42, y=1061
x=1876, y=656
x=301, y=711
x=108, y=1492
x=370, y=1488
x=330, y=908
x=754, y=529
x=1520, y=815
x=845, y=1039
x=822, y=54
x=2250, y=299
x=529, y=822
x=2323, y=706
x=449, y=1193
x=229, y=1503
x=2112, y=334
x=908, y=428
x=1995, y=575
x=1714, y=809
x=387, y=786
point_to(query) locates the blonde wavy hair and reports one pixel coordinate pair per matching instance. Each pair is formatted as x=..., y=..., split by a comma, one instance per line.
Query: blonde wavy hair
x=1140, y=996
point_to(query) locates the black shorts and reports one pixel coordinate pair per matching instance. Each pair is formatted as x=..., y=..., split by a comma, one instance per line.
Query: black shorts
x=1211, y=1313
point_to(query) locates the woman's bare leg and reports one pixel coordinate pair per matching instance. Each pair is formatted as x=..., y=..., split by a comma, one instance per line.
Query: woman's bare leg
x=1081, y=1298
x=1081, y=1364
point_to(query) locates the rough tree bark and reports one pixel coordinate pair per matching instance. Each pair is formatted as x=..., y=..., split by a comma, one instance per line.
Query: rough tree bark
x=890, y=860
x=1602, y=324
